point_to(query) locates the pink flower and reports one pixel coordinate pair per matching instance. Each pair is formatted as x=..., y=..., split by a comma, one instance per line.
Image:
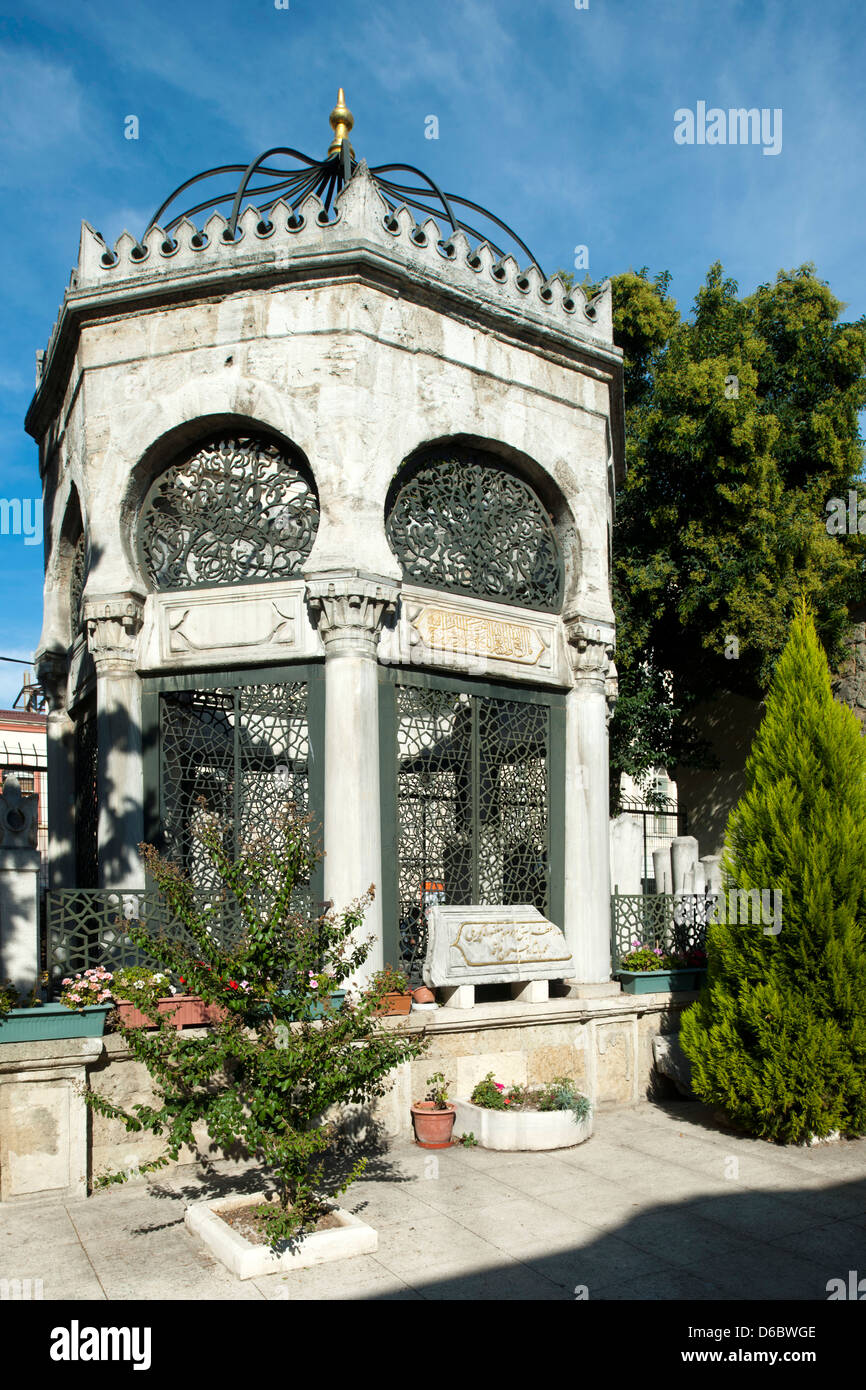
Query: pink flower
x=499, y=1086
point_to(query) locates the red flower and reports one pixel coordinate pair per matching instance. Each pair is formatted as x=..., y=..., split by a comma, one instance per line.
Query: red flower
x=233, y=984
x=182, y=980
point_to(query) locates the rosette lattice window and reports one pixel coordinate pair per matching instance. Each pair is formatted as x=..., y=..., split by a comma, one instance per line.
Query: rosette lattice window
x=465, y=522
x=238, y=510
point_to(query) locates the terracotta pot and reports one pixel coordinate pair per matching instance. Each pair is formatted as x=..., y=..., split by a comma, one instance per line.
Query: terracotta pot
x=395, y=1003
x=423, y=995
x=187, y=1010
x=432, y=1126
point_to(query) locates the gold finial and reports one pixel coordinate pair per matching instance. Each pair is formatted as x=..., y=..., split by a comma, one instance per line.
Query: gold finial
x=342, y=121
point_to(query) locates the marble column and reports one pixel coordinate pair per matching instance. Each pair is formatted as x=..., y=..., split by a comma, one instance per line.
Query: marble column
x=587, y=806
x=349, y=610
x=113, y=624
x=52, y=672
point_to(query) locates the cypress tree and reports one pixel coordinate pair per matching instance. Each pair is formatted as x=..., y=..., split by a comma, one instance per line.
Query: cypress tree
x=778, y=1038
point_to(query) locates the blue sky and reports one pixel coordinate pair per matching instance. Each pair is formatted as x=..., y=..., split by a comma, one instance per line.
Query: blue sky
x=560, y=120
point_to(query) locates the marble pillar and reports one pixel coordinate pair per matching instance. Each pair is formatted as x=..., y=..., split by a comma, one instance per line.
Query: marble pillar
x=52, y=672
x=113, y=624
x=587, y=814
x=349, y=610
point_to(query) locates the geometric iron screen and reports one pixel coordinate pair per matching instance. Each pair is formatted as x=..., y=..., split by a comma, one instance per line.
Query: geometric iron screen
x=461, y=521
x=234, y=510
x=473, y=775
x=239, y=753
x=86, y=803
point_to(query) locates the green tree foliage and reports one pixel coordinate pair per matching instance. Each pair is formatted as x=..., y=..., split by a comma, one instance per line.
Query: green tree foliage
x=778, y=1039
x=280, y=1054
x=741, y=423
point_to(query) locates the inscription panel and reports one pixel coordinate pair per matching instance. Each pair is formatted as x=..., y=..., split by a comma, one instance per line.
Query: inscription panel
x=493, y=945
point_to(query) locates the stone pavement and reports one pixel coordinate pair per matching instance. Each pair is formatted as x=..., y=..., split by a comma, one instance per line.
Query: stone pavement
x=660, y=1204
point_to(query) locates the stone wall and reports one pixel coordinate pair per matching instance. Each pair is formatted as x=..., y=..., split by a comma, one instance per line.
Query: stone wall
x=52, y=1146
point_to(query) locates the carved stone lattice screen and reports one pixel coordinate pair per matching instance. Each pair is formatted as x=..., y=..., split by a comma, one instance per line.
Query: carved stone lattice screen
x=472, y=805
x=86, y=802
x=464, y=523
x=236, y=510
x=244, y=751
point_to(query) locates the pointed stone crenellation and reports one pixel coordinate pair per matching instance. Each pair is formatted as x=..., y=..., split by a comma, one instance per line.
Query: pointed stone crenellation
x=360, y=216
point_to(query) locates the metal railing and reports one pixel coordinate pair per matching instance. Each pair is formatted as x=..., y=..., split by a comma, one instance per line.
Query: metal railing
x=675, y=922
x=86, y=927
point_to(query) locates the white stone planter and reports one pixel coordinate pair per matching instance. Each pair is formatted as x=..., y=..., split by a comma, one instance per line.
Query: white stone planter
x=248, y=1261
x=521, y=1129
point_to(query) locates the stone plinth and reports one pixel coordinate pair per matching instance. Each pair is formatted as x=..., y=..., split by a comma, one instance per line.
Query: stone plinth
x=43, y=1119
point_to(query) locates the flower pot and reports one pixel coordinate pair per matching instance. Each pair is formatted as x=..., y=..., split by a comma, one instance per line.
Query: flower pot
x=423, y=995
x=50, y=1022
x=335, y=998
x=395, y=1003
x=661, y=981
x=432, y=1126
x=187, y=1010
x=519, y=1131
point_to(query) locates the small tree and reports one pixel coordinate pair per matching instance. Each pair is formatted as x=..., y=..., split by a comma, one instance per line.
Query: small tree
x=778, y=1038
x=279, y=1053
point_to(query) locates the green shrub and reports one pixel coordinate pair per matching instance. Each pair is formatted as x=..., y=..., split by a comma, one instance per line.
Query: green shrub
x=489, y=1093
x=778, y=1038
x=260, y=1082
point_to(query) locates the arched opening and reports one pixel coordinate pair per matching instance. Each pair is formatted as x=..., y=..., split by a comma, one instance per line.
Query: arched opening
x=236, y=506
x=462, y=518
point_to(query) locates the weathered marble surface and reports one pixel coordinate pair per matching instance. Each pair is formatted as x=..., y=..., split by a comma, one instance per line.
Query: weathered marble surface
x=481, y=945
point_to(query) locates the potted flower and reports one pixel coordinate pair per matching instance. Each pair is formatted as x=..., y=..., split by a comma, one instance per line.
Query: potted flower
x=393, y=985
x=139, y=992
x=649, y=969
x=555, y=1115
x=81, y=1013
x=433, y=1117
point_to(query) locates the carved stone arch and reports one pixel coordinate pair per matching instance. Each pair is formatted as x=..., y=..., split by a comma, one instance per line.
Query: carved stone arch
x=478, y=517
x=220, y=500
x=72, y=562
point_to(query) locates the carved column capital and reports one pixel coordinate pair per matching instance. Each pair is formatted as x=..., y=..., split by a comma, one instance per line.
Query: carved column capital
x=52, y=673
x=349, y=609
x=591, y=650
x=112, y=624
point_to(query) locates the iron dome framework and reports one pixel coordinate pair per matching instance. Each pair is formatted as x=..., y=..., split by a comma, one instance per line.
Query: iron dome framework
x=264, y=185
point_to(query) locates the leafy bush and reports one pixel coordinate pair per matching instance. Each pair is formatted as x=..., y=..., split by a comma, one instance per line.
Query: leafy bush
x=559, y=1094
x=391, y=981
x=438, y=1090
x=778, y=1038
x=562, y=1094
x=9, y=998
x=489, y=1094
x=263, y=1078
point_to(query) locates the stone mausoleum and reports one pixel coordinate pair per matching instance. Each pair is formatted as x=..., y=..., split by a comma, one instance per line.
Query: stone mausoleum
x=329, y=487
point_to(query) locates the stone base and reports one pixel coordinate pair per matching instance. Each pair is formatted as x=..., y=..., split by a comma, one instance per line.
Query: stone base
x=248, y=1261
x=521, y=1130
x=458, y=996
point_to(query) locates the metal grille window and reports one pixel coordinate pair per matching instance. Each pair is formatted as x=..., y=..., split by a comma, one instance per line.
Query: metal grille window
x=239, y=754
x=234, y=511
x=473, y=804
x=462, y=521
x=86, y=802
